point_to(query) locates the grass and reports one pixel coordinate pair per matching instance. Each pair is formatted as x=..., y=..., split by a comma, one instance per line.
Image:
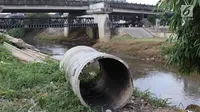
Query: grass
x=2, y=39
x=148, y=96
x=34, y=87
x=127, y=37
x=42, y=87
x=73, y=34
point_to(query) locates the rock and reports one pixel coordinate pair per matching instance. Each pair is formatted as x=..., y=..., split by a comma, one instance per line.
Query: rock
x=146, y=110
x=193, y=107
x=131, y=102
x=32, y=102
x=3, y=100
x=126, y=111
x=24, y=100
x=108, y=110
x=137, y=100
x=152, y=59
x=130, y=107
x=132, y=98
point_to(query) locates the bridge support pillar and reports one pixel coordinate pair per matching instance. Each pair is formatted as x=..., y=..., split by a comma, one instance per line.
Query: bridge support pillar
x=1, y=9
x=90, y=32
x=103, y=27
x=66, y=29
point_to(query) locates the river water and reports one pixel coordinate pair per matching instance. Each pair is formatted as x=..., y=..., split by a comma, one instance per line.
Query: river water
x=160, y=81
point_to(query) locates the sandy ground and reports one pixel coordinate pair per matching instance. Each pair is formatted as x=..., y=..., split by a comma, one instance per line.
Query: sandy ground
x=145, y=48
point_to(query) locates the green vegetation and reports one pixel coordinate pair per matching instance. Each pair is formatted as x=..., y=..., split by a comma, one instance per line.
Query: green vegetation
x=149, y=97
x=74, y=34
x=17, y=32
x=34, y=87
x=21, y=32
x=37, y=15
x=2, y=39
x=152, y=19
x=42, y=87
x=52, y=38
x=165, y=19
x=90, y=75
x=184, y=51
x=130, y=38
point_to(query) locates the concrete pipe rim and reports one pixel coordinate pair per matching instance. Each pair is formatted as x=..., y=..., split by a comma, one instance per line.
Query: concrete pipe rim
x=103, y=56
x=125, y=84
x=70, y=52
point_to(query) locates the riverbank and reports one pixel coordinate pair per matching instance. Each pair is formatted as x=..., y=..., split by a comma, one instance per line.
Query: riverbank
x=143, y=48
x=56, y=35
x=41, y=86
x=34, y=87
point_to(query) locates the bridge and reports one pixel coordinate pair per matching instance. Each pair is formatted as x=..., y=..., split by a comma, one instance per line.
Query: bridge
x=101, y=14
x=70, y=6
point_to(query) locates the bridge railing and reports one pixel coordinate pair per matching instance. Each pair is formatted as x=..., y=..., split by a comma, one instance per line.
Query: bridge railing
x=113, y=4
x=45, y=2
x=46, y=22
x=132, y=6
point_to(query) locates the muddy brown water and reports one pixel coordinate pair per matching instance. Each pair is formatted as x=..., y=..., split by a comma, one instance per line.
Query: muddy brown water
x=159, y=80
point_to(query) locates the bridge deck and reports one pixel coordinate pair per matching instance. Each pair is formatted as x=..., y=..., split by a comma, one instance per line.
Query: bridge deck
x=65, y=5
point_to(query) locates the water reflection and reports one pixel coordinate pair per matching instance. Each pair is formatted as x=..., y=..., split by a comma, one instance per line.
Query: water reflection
x=53, y=49
x=183, y=90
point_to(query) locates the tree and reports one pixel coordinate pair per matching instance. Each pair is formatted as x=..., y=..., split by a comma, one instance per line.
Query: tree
x=152, y=19
x=42, y=18
x=17, y=32
x=184, y=51
x=165, y=19
x=2, y=39
x=20, y=32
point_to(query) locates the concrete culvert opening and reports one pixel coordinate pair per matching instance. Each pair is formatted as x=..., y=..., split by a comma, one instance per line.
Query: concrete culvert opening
x=101, y=81
x=105, y=83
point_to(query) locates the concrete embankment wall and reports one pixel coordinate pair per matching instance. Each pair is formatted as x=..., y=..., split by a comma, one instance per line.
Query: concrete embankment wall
x=139, y=32
x=159, y=32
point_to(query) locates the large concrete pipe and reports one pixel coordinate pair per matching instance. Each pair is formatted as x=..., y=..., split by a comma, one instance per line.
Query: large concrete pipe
x=114, y=86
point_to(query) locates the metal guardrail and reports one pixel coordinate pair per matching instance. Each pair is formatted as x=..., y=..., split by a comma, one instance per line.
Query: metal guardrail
x=131, y=6
x=113, y=4
x=45, y=2
x=45, y=22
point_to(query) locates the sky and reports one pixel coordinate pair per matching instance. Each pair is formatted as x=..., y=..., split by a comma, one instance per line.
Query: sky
x=150, y=2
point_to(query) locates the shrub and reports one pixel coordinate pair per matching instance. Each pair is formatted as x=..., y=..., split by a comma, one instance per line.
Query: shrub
x=17, y=32
x=2, y=39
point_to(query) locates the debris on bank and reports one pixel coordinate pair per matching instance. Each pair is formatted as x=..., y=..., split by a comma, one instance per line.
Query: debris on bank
x=24, y=51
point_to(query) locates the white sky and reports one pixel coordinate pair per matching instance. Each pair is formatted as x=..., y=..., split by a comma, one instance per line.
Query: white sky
x=150, y=2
